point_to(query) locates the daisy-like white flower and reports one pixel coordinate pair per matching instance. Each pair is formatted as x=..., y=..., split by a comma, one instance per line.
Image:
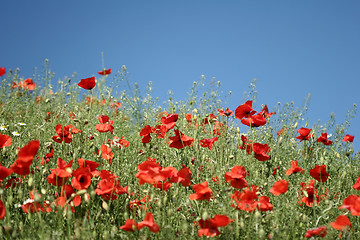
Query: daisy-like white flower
x=15, y=133
x=22, y=124
x=3, y=127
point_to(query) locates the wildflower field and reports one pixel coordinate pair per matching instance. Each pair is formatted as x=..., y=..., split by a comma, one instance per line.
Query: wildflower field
x=91, y=160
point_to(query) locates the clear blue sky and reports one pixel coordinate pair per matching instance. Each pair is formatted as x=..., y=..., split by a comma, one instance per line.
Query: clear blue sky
x=292, y=47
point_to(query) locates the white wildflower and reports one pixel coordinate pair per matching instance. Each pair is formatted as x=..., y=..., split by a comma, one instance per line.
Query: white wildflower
x=15, y=133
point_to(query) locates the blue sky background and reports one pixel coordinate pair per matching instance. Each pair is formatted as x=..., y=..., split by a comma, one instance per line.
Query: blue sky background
x=292, y=47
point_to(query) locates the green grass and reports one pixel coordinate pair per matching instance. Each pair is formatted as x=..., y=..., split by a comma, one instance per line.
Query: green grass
x=173, y=211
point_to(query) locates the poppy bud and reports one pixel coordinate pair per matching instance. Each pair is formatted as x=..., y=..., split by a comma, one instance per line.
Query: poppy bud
x=30, y=182
x=105, y=206
x=87, y=197
x=261, y=233
x=69, y=170
x=83, y=191
x=205, y=215
x=242, y=225
x=257, y=214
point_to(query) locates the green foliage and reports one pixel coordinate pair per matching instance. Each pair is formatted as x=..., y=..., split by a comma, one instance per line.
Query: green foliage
x=45, y=107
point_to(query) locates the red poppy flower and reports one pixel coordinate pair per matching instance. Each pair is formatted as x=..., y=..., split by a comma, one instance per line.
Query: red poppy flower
x=104, y=174
x=66, y=194
x=48, y=156
x=244, y=110
x=2, y=71
x=208, y=142
x=106, y=153
x=281, y=131
x=260, y=151
x=202, y=192
x=352, y=203
x=73, y=129
x=246, y=145
x=245, y=200
x=311, y=193
x=219, y=128
x=32, y=206
x=87, y=83
x=211, y=118
x=29, y=84
x=183, y=176
x=139, y=204
x=275, y=170
x=105, y=72
x=264, y=204
x=147, y=171
x=162, y=185
x=209, y=227
x=105, y=125
x=90, y=164
x=348, y=138
x=236, y=177
x=82, y=178
x=294, y=168
x=130, y=225
x=13, y=182
x=119, y=142
x=2, y=210
x=188, y=117
x=109, y=189
x=226, y=113
x=319, y=231
x=149, y=222
x=279, y=187
x=304, y=134
x=5, y=140
x=265, y=112
x=4, y=172
x=63, y=134
x=356, y=186
x=342, y=222
x=59, y=176
x=25, y=157
x=151, y=172
x=160, y=130
x=169, y=121
x=145, y=133
x=319, y=173
x=254, y=121
x=324, y=140
x=180, y=140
